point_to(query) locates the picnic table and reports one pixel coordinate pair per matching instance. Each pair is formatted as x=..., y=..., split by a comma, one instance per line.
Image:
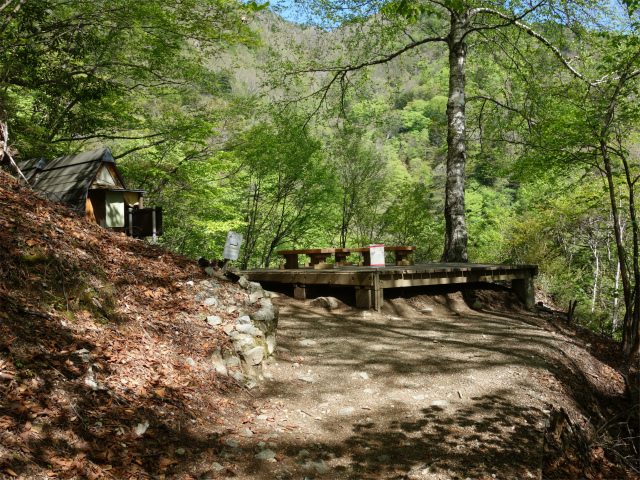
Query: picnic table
x=402, y=252
x=319, y=256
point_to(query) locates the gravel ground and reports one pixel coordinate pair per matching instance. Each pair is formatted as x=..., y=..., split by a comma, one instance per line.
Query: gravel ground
x=443, y=394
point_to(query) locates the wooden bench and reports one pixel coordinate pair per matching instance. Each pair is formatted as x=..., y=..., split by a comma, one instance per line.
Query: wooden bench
x=318, y=257
x=402, y=252
x=341, y=256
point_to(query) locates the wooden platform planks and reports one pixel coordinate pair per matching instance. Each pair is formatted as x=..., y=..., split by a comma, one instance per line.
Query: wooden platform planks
x=374, y=280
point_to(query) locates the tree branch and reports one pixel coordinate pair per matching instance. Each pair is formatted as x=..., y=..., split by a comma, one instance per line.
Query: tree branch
x=10, y=16
x=105, y=136
x=537, y=36
x=509, y=20
x=159, y=142
x=360, y=66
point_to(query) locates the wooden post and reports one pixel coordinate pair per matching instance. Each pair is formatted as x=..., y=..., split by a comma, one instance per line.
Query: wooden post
x=524, y=289
x=131, y=222
x=377, y=291
x=153, y=224
x=300, y=292
x=364, y=298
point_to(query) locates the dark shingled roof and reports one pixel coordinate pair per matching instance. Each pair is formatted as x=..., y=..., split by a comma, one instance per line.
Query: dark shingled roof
x=67, y=179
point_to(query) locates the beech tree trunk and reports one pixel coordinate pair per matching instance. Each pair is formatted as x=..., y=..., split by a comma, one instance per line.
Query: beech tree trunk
x=630, y=323
x=5, y=150
x=455, y=240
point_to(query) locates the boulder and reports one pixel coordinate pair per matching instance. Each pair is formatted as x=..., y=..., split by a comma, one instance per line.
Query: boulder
x=253, y=356
x=243, y=342
x=326, y=302
x=266, y=319
x=264, y=302
x=230, y=360
x=246, y=380
x=267, y=313
x=218, y=362
x=211, y=301
x=271, y=344
x=243, y=281
x=214, y=320
x=320, y=467
x=266, y=455
x=249, y=329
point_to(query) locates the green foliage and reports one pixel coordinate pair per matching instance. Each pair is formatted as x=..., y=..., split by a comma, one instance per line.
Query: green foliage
x=74, y=70
x=489, y=214
x=187, y=117
x=411, y=220
x=282, y=183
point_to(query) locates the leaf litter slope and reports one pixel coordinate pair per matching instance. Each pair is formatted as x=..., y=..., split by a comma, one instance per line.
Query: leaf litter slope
x=105, y=372
x=104, y=354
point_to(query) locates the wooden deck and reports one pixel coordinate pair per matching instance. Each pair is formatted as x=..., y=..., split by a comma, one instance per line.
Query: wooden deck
x=369, y=283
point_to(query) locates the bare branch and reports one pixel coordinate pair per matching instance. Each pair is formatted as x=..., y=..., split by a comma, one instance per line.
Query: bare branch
x=409, y=35
x=159, y=142
x=6, y=4
x=509, y=20
x=537, y=36
x=105, y=136
x=10, y=16
x=489, y=99
x=360, y=66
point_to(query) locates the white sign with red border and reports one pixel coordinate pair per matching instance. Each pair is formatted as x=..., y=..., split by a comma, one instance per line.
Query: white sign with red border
x=232, y=247
x=376, y=253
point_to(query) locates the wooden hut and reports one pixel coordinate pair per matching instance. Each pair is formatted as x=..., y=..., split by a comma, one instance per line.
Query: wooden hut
x=90, y=183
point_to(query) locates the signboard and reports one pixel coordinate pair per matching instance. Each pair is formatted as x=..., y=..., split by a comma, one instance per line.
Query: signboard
x=232, y=247
x=377, y=255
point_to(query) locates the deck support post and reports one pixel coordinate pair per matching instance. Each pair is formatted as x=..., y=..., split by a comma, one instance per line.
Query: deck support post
x=524, y=289
x=377, y=292
x=300, y=292
x=364, y=299
x=370, y=296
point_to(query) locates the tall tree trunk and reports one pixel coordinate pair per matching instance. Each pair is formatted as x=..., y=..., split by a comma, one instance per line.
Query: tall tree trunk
x=595, y=278
x=616, y=319
x=455, y=240
x=628, y=337
x=4, y=145
x=633, y=344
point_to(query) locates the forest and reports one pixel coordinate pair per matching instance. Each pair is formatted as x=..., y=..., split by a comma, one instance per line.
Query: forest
x=490, y=132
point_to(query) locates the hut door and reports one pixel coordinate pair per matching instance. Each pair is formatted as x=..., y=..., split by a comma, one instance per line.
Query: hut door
x=115, y=209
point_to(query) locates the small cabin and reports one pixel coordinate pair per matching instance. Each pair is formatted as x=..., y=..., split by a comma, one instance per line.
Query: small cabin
x=90, y=184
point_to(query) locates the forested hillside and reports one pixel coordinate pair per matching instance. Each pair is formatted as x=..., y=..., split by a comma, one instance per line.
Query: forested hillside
x=341, y=131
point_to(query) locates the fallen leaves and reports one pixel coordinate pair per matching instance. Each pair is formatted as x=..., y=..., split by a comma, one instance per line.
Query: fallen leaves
x=134, y=338
x=164, y=462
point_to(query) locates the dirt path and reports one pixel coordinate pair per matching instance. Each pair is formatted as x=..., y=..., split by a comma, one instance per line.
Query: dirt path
x=451, y=393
